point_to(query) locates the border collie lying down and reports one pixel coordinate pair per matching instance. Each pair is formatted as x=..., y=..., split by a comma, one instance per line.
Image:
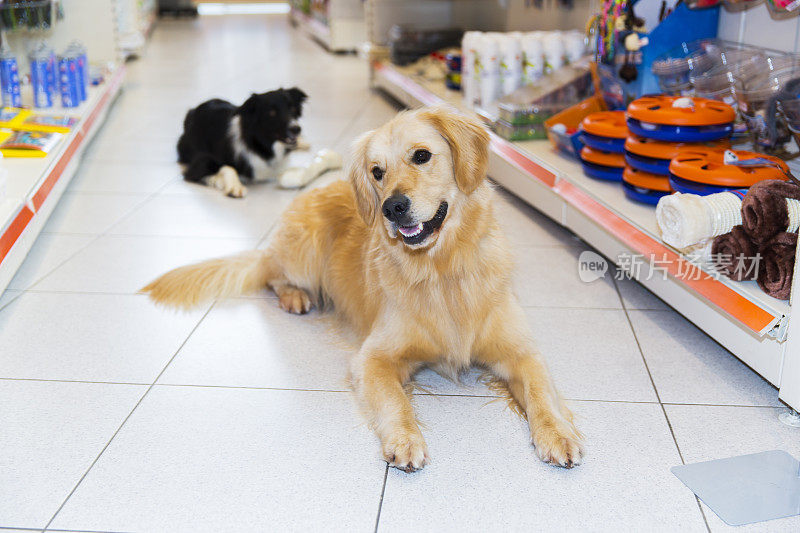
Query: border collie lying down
x=223, y=144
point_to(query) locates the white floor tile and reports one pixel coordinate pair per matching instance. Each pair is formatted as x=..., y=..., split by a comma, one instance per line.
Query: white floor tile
x=89, y=337
x=705, y=433
x=547, y=276
x=584, y=361
x=592, y=354
x=90, y=213
x=51, y=434
x=689, y=367
x=254, y=343
x=205, y=216
x=193, y=459
x=524, y=226
x=636, y=296
x=484, y=475
x=119, y=177
x=125, y=264
x=7, y=296
x=49, y=251
x=132, y=152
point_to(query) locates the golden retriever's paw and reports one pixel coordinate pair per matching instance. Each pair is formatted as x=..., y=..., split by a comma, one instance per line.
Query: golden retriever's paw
x=406, y=451
x=557, y=446
x=294, y=300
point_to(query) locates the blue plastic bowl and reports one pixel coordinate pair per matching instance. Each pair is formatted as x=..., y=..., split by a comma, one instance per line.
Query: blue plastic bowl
x=648, y=164
x=606, y=144
x=661, y=132
x=692, y=187
x=602, y=172
x=645, y=196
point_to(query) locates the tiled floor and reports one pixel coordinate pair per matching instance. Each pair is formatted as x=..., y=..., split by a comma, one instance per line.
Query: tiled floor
x=118, y=416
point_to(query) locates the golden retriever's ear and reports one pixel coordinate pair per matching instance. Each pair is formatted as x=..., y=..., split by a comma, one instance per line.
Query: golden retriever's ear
x=469, y=143
x=366, y=195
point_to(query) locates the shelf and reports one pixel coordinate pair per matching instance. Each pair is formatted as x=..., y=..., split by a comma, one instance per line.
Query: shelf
x=738, y=315
x=312, y=26
x=35, y=184
x=342, y=33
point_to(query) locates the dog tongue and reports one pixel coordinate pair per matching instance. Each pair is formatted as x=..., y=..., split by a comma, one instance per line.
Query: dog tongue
x=410, y=231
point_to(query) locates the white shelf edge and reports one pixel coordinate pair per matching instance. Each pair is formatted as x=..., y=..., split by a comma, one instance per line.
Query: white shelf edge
x=37, y=184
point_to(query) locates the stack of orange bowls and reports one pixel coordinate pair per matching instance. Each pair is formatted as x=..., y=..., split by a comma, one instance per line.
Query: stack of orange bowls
x=662, y=127
x=603, y=134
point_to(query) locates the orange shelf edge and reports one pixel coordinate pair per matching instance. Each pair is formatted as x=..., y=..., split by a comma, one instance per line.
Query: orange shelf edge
x=23, y=218
x=723, y=297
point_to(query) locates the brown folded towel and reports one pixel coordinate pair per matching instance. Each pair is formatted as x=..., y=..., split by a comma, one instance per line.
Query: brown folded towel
x=777, y=265
x=764, y=211
x=734, y=254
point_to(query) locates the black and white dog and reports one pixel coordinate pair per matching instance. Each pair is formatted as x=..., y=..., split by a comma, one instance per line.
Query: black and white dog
x=223, y=144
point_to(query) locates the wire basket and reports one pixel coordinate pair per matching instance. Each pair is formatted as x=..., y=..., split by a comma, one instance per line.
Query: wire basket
x=29, y=14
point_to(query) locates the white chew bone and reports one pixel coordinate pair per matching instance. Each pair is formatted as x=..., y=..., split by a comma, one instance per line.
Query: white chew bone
x=324, y=161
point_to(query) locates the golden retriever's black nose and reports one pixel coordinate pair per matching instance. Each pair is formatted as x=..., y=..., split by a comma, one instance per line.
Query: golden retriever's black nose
x=395, y=207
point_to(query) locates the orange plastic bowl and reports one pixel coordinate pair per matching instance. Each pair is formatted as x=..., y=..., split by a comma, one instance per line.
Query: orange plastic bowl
x=654, y=149
x=660, y=110
x=708, y=167
x=606, y=124
x=607, y=159
x=645, y=180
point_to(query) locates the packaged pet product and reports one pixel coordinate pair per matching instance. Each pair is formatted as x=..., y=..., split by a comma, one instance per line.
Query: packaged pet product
x=574, y=46
x=469, y=82
x=533, y=57
x=78, y=51
x=510, y=63
x=488, y=54
x=687, y=219
x=43, y=91
x=553, y=51
x=9, y=79
x=68, y=80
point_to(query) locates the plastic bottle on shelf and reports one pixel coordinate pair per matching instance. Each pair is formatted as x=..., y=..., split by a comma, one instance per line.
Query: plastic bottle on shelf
x=533, y=57
x=510, y=64
x=9, y=79
x=574, y=46
x=488, y=54
x=68, y=79
x=469, y=82
x=79, y=52
x=553, y=51
x=43, y=94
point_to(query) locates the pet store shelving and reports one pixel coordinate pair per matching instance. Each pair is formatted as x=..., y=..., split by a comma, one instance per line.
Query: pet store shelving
x=35, y=185
x=738, y=315
x=336, y=24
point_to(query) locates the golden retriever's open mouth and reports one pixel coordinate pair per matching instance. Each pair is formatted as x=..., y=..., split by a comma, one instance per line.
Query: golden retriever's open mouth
x=417, y=234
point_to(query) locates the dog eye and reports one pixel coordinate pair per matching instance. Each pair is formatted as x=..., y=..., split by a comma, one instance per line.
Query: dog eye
x=377, y=173
x=421, y=156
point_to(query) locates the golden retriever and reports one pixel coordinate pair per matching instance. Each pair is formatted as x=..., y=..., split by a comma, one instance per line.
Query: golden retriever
x=410, y=254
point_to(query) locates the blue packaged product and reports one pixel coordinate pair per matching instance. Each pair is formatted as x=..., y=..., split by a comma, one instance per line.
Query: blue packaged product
x=9, y=80
x=68, y=81
x=52, y=71
x=78, y=51
x=42, y=89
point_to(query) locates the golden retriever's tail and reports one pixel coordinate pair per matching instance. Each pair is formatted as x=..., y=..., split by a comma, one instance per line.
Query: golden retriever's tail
x=190, y=285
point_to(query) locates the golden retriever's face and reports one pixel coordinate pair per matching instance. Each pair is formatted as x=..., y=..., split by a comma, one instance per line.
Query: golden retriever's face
x=413, y=173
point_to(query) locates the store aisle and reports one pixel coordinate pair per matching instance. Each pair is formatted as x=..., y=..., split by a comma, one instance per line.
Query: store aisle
x=120, y=416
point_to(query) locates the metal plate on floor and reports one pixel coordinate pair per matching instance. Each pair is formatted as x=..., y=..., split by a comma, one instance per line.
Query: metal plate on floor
x=748, y=488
